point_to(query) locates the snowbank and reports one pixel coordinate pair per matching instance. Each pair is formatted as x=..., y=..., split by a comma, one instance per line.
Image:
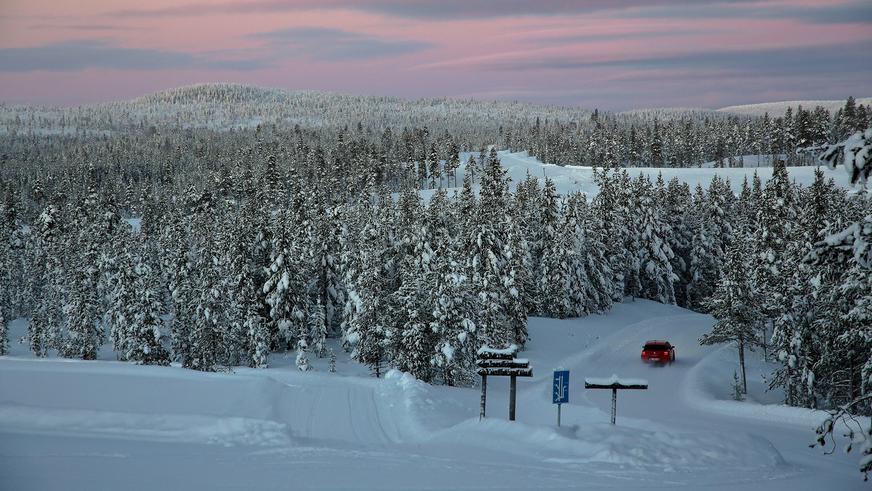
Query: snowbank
x=629, y=448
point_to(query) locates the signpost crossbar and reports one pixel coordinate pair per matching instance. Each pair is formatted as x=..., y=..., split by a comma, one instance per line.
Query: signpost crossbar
x=614, y=387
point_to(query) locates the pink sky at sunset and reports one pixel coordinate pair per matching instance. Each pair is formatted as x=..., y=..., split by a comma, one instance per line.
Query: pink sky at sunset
x=593, y=53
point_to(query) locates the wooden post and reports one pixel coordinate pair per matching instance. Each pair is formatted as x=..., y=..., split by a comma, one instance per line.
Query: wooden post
x=614, y=405
x=501, y=363
x=614, y=384
x=483, y=397
x=512, y=391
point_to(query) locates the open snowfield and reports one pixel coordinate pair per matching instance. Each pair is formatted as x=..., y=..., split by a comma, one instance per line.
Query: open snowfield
x=778, y=108
x=71, y=425
x=572, y=178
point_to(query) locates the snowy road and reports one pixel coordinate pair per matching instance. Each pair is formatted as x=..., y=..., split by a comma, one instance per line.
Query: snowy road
x=107, y=425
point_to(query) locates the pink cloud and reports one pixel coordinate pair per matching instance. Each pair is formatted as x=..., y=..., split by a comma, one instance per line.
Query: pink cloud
x=383, y=47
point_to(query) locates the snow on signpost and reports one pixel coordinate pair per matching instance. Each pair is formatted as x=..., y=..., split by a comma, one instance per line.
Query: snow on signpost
x=501, y=363
x=615, y=383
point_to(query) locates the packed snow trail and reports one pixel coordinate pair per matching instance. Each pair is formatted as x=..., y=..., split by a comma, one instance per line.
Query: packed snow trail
x=109, y=425
x=689, y=395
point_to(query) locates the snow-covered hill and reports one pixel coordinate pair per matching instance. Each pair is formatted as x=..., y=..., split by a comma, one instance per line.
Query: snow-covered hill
x=778, y=108
x=109, y=425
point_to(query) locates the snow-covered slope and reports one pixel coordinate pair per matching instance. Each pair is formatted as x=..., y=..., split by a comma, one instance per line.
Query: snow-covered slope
x=110, y=425
x=778, y=108
x=572, y=178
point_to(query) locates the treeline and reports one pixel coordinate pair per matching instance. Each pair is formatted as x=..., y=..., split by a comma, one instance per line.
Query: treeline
x=686, y=140
x=128, y=160
x=411, y=131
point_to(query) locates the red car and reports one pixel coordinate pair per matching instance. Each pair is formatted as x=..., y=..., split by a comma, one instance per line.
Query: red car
x=661, y=351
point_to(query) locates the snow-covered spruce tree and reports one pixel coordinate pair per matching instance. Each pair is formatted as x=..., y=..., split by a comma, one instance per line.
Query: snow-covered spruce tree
x=706, y=260
x=734, y=307
x=597, y=268
x=854, y=153
x=8, y=288
x=178, y=272
x=502, y=317
x=720, y=202
x=581, y=288
x=369, y=289
x=142, y=309
x=776, y=215
x=744, y=211
x=285, y=289
x=4, y=335
x=46, y=269
x=412, y=341
x=527, y=215
x=654, y=255
x=411, y=337
x=453, y=313
x=323, y=257
x=245, y=328
x=302, y=360
x=610, y=207
x=120, y=317
x=676, y=208
x=796, y=337
x=556, y=269
x=849, y=304
x=252, y=271
x=451, y=301
x=209, y=327
x=318, y=328
x=183, y=292
x=452, y=163
x=84, y=327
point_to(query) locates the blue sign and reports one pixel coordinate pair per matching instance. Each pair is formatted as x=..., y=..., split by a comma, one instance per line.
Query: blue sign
x=560, y=394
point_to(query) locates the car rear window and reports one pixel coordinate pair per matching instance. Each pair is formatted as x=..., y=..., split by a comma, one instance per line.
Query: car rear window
x=655, y=347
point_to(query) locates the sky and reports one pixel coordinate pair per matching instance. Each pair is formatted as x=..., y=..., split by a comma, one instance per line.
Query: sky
x=607, y=54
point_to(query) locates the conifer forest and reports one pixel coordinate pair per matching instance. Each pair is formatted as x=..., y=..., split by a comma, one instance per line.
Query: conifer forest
x=213, y=247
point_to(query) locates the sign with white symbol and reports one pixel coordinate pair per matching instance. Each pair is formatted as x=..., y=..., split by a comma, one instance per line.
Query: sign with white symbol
x=561, y=387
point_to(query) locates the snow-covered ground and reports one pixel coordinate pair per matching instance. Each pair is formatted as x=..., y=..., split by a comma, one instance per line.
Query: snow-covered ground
x=778, y=108
x=571, y=178
x=110, y=425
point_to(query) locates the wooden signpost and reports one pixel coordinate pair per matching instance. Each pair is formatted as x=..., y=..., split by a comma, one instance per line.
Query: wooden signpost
x=501, y=363
x=615, y=384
